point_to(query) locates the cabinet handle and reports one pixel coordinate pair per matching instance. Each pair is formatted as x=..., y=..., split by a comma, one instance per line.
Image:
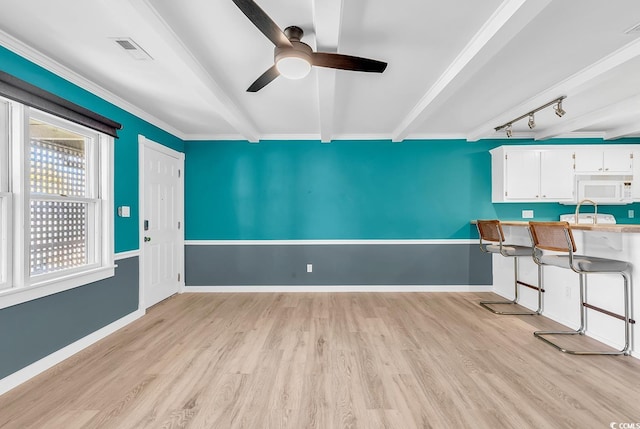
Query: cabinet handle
x=544, y=196
x=606, y=169
x=599, y=169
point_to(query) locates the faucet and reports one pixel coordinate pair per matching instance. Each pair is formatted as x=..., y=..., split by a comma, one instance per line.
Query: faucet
x=595, y=213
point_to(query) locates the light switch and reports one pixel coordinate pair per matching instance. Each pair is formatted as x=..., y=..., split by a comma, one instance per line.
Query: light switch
x=124, y=211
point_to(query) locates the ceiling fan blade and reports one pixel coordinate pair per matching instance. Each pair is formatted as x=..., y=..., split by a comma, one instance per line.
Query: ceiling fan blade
x=347, y=62
x=264, y=79
x=264, y=23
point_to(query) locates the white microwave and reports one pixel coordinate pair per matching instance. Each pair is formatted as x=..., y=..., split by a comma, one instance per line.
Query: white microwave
x=605, y=191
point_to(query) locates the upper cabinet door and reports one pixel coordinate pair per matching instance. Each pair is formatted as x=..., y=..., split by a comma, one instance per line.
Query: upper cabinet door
x=599, y=161
x=617, y=161
x=556, y=175
x=588, y=160
x=522, y=175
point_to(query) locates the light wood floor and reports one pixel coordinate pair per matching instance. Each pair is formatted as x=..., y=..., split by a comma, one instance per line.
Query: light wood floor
x=362, y=360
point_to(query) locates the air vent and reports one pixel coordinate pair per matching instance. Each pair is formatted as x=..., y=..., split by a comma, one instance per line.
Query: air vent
x=633, y=30
x=126, y=45
x=132, y=48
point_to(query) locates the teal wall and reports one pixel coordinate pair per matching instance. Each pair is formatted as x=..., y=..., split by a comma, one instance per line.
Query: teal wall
x=126, y=147
x=417, y=189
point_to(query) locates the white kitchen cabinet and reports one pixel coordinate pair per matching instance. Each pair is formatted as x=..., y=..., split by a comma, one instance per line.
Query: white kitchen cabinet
x=550, y=173
x=556, y=175
x=604, y=161
x=529, y=175
x=522, y=175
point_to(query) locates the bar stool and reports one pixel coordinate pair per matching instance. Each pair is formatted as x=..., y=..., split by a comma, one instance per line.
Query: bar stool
x=554, y=245
x=492, y=241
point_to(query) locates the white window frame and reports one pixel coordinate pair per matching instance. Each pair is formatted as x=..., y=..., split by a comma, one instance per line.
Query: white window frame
x=5, y=199
x=24, y=287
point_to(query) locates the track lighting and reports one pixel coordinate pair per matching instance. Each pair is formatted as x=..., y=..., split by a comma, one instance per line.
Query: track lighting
x=508, y=127
x=559, y=110
x=532, y=121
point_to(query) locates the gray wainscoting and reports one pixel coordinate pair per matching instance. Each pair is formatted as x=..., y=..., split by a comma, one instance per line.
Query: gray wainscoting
x=336, y=264
x=35, y=329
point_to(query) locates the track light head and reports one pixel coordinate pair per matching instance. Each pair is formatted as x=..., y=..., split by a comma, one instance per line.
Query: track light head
x=559, y=110
x=508, y=130
x=532, y=121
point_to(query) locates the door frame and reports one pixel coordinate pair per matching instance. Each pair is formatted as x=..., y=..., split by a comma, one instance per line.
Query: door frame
x=143, y=145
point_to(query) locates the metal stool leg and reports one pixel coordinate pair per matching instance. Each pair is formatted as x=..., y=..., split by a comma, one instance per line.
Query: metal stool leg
x=516, y=282
x=581, y=330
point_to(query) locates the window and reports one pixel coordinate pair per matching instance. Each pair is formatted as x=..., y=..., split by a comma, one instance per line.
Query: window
x=5, y=201
x=58, y=185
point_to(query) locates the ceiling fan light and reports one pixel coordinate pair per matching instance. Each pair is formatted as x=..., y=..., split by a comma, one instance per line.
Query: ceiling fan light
x=293, y=67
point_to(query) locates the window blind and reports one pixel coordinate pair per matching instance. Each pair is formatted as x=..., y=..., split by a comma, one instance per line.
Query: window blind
x=18, y=90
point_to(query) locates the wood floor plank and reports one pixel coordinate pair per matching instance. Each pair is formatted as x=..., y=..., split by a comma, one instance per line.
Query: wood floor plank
x=322, y=360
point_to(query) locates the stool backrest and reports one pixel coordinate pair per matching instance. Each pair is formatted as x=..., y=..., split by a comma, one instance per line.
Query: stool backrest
x=490, y=230
x=555, y=236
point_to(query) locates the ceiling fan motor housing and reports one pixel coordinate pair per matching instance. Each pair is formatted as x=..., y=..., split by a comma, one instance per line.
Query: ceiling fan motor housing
x=294, y=33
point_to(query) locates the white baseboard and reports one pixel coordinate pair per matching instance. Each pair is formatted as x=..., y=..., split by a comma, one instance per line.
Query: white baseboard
x=38, y=367
x=337, y=288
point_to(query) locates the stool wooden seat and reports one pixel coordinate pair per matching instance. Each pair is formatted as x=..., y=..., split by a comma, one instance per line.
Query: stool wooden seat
x=554, y=245
x=492, y=241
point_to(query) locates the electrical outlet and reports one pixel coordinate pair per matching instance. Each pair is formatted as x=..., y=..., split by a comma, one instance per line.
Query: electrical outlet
x=632, y=214
x=309, y=268
x=527, y=214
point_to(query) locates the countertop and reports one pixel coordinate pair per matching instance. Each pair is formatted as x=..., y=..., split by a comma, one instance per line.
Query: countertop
x=633, y=228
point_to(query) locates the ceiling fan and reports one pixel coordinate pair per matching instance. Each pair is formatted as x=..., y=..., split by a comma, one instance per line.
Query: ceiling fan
x=293, y=59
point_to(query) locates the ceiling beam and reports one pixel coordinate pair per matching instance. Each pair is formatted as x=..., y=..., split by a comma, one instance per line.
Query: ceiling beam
x=571, y=86
x=494, y=26
x=326, y=102
x=224, y=104
x=626, y=130
x=327, y=17
x=627, y=107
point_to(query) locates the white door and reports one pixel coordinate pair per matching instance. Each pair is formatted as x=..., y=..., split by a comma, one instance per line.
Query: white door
x=162, y=206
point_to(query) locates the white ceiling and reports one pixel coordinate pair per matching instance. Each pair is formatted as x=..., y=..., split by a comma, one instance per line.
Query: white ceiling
x=457, y=69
